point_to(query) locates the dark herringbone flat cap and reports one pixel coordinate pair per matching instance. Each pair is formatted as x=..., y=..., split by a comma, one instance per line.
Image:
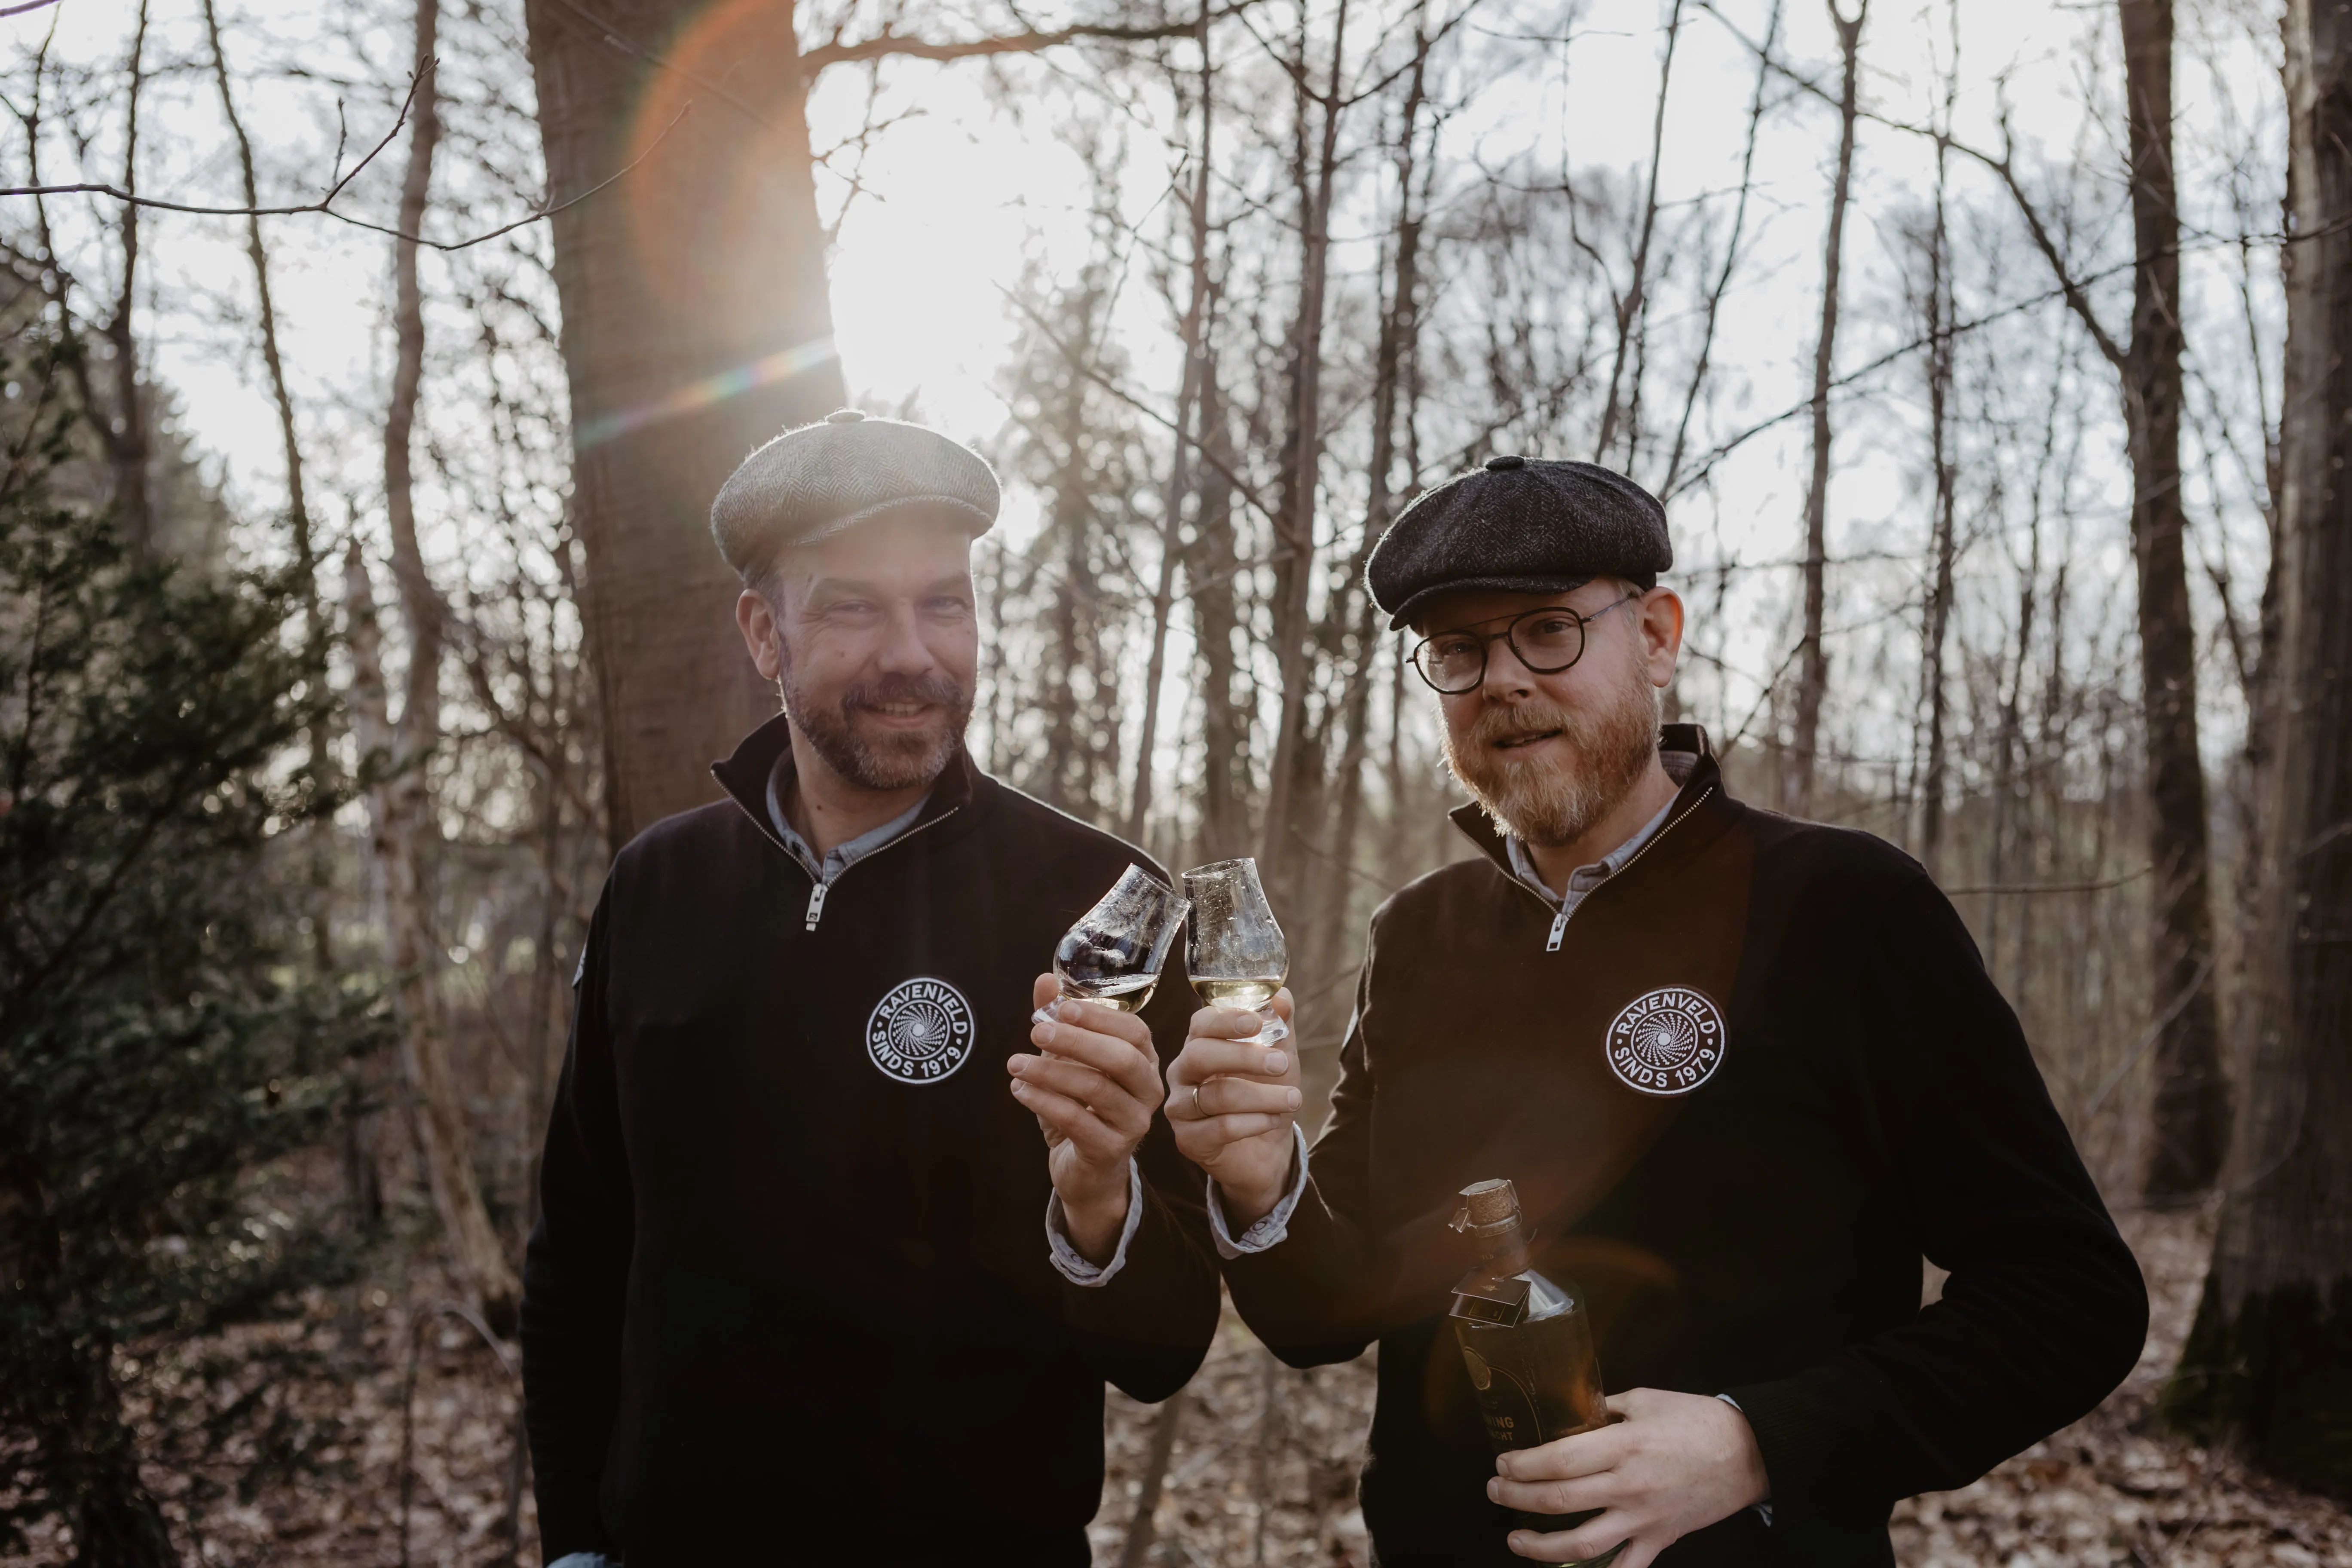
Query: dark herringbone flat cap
x=816, y=481
x=1523, y=524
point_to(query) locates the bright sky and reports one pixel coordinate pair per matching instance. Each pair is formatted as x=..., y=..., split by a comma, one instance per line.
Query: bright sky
x=964, y=192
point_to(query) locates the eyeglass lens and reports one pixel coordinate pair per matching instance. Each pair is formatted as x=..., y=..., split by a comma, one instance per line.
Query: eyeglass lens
x=1547, y=641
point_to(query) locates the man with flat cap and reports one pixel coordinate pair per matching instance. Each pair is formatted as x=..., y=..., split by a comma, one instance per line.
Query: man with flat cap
x=1745, y=1072
x=807, y=1285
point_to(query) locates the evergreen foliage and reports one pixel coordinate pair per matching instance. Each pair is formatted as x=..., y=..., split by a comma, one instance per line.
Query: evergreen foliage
x=163, y=1047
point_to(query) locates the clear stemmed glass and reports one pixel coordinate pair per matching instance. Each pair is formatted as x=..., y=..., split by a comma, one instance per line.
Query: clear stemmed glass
x=1237, y=957
x=1113, y=955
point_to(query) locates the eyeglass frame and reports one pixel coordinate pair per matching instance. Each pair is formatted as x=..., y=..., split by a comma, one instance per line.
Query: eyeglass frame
x=1487, y=639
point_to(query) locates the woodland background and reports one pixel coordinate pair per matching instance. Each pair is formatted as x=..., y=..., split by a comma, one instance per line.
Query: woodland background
x=369, y=368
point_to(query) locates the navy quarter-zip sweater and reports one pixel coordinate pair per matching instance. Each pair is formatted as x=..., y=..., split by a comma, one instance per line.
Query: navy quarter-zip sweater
x=790, y=1296
x=1756, y=1076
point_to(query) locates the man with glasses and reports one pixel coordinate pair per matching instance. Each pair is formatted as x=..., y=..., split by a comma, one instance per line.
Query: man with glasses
x=1745, y=1071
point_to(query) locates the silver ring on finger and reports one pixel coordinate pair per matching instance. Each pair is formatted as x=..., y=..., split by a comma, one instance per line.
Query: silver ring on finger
x=1197, y=1114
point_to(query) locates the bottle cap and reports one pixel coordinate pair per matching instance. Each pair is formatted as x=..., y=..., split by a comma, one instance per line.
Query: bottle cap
x=1489, y=1208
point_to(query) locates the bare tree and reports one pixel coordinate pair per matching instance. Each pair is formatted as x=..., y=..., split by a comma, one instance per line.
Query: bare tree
x=2268, y=1365
x=1813, y=670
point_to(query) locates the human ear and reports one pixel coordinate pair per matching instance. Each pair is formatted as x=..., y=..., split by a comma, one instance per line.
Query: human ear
x=757, y=621
x=1661, y=623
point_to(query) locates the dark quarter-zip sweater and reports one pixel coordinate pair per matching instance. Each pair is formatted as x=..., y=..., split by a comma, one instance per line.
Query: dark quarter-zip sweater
x=790, y=1297
x=1754, y=1078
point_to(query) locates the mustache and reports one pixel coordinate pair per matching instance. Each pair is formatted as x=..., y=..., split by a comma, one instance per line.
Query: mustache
x=1499, y=726
x=935, y=689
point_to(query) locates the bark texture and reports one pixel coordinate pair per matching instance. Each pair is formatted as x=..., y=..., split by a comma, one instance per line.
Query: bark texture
x=695, y=327
x=2268, y=1367
x=2191, y=1105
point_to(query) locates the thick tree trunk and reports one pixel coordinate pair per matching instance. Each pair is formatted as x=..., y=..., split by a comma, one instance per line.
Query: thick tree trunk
x=695, y=327
x=2191, y=1107
x=1814, y=672
x=2268, y=1368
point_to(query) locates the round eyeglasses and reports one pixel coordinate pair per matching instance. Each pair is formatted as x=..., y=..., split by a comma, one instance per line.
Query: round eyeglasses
x=1545, y=640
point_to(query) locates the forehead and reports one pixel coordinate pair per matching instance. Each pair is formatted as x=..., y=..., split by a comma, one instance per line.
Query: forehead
x=911, y=546
x=1472, y=606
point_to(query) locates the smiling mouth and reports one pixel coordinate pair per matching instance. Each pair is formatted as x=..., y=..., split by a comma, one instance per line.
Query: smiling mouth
x=900, y=711
x=1516, y=741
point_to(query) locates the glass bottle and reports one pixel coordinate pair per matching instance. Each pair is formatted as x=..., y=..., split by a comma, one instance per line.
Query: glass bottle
x=1526, y=1341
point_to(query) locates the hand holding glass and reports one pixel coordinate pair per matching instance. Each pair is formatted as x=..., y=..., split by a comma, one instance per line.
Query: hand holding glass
x=1237, y=957
x=1113, y=955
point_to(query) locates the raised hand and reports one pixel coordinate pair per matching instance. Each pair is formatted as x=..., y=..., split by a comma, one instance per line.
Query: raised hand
x=1232, y=1105
x=1093, y=1088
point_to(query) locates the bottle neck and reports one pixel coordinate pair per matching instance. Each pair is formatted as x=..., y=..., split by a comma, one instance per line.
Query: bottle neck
x=1504, y=1253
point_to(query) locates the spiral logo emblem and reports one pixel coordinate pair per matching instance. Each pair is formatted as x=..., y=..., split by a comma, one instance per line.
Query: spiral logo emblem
x=920, y=1032
x=1668, y=1041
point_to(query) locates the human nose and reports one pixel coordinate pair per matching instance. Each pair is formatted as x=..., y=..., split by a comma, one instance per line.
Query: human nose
x=1505, y=675
x=904, y=651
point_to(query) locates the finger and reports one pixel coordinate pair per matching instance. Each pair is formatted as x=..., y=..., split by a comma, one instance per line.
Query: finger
x=1564, y=1458
x=1203, y=1059
x=1230, y=1096
x=1206, y=1135
x=1586, y=1541
x=1284, y=1005
x=1099, y=1143
x=1579, y=1496
x=1106, y=1097
x=1112, y=1055
x=1224, y=1023
x=1080, y=1014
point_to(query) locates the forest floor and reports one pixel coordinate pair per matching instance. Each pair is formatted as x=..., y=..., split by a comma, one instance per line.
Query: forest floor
x=2115, y=1491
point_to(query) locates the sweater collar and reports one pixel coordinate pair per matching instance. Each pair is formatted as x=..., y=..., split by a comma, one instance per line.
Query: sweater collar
x=1702, y=788
x=768, y=750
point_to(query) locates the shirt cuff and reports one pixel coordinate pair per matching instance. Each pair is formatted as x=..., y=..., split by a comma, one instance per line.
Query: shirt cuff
x=1267, y=1231
x=1763, y=1510
x=1076, y=1269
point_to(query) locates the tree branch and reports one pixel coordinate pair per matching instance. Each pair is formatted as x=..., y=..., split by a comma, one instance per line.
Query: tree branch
x=888, y=43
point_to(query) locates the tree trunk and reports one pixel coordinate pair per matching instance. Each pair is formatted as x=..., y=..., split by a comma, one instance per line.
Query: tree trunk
x=1637, y=296
x=1214, y=591
x=695, y=327
x=1813, y=673
x=1943, y=546
x=477, y=1254
x=2268, y=1368
x=125, y=438
x=1296, y=534
x=2191, y=1105
x=1172, y=496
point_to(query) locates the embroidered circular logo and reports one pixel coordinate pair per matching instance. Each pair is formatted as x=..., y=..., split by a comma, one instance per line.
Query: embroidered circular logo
x=1667, y=1042
x=920, y=1032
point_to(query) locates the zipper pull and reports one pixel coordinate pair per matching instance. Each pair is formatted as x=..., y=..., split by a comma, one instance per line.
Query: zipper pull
x=817, y=908
x=1559, y=925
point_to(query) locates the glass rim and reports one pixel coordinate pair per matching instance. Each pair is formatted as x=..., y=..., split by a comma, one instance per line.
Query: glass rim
x=1217, y=867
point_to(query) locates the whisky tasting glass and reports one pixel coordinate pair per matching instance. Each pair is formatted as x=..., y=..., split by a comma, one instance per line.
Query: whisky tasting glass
x=1237, y=957
x=1113, y=955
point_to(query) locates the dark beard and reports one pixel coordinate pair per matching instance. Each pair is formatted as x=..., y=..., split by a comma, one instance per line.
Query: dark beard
x=1547, y=804
x=888, y=763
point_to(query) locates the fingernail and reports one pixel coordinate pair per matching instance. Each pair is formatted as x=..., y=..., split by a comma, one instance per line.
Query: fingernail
x=1019, y=1088
x=1292, y=1099
x=1494, y=1491
x=1276, y=1061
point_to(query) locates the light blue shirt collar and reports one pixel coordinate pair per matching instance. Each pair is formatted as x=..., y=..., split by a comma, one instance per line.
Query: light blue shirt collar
x=1584, y=878
x=843, y=856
